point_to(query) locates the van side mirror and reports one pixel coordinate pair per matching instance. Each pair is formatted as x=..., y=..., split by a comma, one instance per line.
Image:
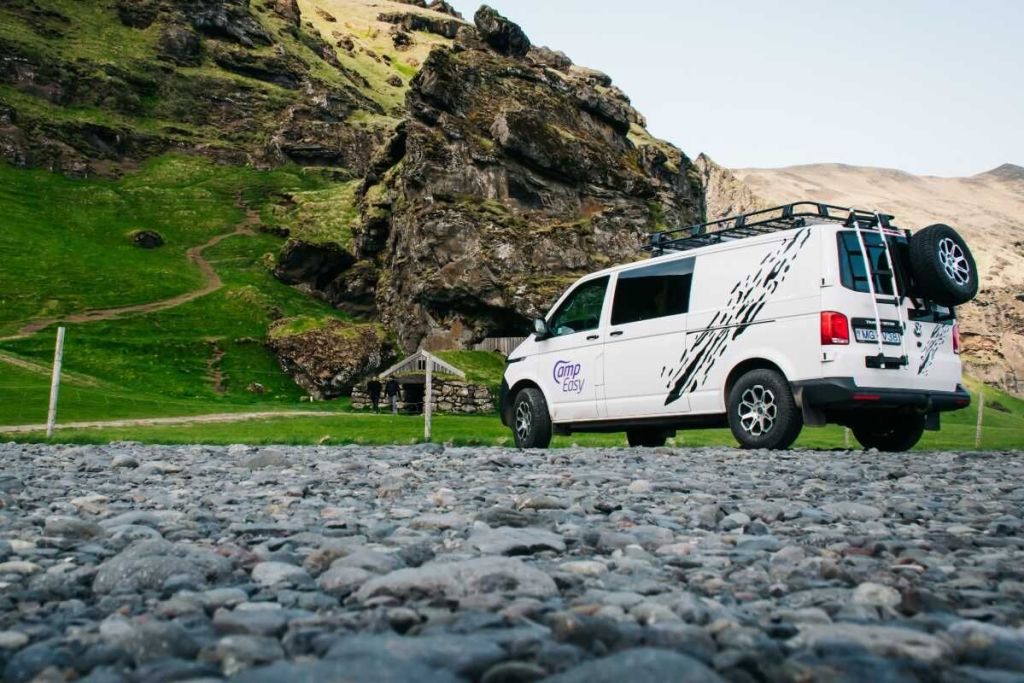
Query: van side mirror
x=541, y=329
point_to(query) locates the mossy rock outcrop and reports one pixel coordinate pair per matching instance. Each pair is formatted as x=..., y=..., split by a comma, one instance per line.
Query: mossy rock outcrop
x=328, y=357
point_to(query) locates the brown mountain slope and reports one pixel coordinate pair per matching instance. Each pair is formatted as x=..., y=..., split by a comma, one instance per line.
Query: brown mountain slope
x=987, y=208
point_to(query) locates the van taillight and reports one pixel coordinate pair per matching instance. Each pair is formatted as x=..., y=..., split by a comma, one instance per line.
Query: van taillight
x=956, y=337
x=835, y=328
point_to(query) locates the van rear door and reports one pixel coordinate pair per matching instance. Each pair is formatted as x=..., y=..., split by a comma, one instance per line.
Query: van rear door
x=926, y=334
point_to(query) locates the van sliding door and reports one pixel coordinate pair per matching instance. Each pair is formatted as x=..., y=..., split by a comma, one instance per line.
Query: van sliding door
x=646, y=337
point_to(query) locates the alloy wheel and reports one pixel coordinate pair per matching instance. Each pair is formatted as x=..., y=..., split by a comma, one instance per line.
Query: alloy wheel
x=954, y=261
x=757, y=410
x=524, y=420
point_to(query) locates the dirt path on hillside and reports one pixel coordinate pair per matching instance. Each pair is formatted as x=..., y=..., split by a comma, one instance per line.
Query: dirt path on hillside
x=195, y=255
x=154, y=421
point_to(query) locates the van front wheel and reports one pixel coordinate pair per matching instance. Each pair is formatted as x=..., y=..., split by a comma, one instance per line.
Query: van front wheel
x=531, y=423
x=762, y=412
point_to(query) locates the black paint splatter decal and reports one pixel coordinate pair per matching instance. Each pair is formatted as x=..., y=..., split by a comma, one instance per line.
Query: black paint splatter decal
x=747, y=298
x=931, y=347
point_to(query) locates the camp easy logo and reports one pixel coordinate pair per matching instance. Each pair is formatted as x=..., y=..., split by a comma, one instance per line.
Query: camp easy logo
x=567, y=375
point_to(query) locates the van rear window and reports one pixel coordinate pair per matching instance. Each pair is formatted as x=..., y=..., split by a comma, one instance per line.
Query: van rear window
x=652, y=292
x=851, y=264
x=853, y=276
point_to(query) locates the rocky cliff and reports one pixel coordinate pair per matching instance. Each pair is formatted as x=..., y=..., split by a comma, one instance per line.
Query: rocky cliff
x=512, y=172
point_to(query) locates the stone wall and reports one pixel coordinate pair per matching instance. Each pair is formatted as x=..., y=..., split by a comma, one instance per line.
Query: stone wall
x=450, y=396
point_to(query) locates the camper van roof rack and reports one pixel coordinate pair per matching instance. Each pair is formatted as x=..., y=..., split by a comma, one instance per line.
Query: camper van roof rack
x=762, y=222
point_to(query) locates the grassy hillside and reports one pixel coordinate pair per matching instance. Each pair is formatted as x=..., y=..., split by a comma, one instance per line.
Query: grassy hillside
x=86, y=91
x=66, y=250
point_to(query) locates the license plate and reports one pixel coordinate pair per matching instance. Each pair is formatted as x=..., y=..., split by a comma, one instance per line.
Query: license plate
x=870, y=335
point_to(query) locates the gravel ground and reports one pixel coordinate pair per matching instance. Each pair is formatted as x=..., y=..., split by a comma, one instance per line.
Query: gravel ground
x=137, y=563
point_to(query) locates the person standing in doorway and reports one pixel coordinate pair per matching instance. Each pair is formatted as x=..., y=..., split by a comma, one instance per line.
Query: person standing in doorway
x=391, y=392
x=373, y=388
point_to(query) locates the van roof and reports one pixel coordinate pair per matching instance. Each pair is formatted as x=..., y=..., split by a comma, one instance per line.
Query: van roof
x=691, y=253
x=764, y=221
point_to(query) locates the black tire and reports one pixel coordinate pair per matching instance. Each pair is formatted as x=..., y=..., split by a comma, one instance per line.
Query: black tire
x=531, y=423
x=892, y=434
x=943, y=265
x=762, y=412
x=646, y=437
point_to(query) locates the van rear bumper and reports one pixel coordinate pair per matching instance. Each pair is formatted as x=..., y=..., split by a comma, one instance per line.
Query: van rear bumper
x=833, y=393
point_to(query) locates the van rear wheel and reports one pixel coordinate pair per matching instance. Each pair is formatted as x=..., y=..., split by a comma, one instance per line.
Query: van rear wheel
x=531, y=423
x=762, y=412
x=646, y=437
x=893, y=434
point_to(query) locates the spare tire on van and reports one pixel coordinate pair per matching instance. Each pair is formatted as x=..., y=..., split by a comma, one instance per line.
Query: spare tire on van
x=943, y=265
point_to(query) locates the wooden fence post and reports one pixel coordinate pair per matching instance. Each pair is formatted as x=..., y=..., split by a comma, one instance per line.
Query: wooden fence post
x=981, y=409
x=58, y=355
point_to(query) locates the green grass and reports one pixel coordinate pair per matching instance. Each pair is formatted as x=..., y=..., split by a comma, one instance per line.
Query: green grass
x=79, y=229
x=92, y=32
x=321, y=216
x=66, y=249
x=1002, y=431
x=481, y=367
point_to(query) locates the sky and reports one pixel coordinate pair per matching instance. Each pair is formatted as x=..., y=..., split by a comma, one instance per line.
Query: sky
x=927, y=86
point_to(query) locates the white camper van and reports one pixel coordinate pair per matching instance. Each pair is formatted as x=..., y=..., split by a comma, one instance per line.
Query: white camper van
x=805, y=314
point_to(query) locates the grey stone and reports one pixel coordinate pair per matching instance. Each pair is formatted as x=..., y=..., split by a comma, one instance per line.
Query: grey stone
x=362, y=670
x=273, y=573
x=854, y=511
x=341, y=581
x=516, y=541
x=255, y=622
x=640, y=665
x=145, y=565
x=148, y=641
x=72, y=527
x=239, y=652
x=466, y=655
x=25, y=664
x=454, y=580
x=883, y=641
x=267, y=458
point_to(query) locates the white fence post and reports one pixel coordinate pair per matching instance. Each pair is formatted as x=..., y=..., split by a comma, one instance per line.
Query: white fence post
x=428, y=400
x=58, y=354
x=981, y=409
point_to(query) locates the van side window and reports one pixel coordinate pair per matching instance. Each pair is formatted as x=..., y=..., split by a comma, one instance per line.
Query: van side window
x=851, y=264
x=653, y=291
x=582, y=310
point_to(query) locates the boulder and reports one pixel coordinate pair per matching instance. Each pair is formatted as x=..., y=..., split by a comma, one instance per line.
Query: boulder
x=415, y=21
x=289, y=11
x=147, y=239
x=455, y=580
x=228, y=20
x=137, y=13
x=444, y=8
x=500, y=33
x=180, y=45
x=328, y=360
x=146, y=565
